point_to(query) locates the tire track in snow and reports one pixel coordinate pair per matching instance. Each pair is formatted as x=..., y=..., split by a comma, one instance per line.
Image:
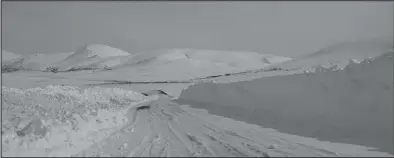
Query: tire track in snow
x=208, y=127
x=187, y=120
x=253, y=140
x=166, y=129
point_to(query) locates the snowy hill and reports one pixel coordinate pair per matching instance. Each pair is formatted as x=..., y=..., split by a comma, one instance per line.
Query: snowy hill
x=183, y=64
x=90, y=54
x=353, y=105
x=230, y=58
x=339, y=54
x=6, y=56
x=11, y=62
x=39, y=62
x=72, y=121
x=98, y=50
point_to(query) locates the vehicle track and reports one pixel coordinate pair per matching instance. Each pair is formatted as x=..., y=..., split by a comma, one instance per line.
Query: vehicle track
x=167, y=129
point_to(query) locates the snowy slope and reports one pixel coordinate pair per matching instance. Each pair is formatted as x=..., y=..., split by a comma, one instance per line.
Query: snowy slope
x=334, y=57
x=39, y=62
x=36, y=62
x=6, y=56
x=183, y=64
x=64, y=111
x=340, y=54
x=90, y=54
x=11, y=62
x=70, y=121
x=230, y=58
x=354, y=105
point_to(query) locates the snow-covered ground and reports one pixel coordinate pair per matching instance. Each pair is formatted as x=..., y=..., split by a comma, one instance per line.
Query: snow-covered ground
x=95, y=114
x=61, y=120
x=70, y=121
x=354, y=105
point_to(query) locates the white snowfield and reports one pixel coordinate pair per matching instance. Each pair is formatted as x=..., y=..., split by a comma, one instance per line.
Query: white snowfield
x=70, y=121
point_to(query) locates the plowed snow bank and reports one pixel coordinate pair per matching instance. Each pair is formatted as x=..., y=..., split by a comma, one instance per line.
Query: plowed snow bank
x=354, y=105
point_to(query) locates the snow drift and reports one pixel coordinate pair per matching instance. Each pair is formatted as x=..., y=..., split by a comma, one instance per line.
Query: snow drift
x=353, y=105
x=61, y=120
x=69, y=121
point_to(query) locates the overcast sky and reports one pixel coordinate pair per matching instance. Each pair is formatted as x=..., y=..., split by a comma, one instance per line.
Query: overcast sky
x=280, y=28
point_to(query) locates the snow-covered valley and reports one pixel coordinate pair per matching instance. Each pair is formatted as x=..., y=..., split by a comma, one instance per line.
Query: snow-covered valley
x=192, y=102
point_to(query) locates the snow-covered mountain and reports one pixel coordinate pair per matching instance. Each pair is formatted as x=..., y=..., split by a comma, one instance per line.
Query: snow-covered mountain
x=230, y=58
x=183, y=64
x=165, y=62
x=89, y=55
